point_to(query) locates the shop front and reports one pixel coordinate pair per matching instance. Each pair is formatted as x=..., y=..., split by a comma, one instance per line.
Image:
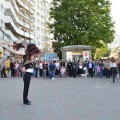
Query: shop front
x=79, y=52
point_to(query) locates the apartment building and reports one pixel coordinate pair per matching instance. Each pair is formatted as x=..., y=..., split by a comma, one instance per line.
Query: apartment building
x=17, y=22
x=42, y=35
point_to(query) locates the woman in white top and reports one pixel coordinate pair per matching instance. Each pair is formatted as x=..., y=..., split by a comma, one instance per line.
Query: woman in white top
x=113, y=67
x=40, y=69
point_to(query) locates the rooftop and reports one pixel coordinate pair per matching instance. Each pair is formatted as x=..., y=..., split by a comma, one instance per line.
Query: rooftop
x=76, y=47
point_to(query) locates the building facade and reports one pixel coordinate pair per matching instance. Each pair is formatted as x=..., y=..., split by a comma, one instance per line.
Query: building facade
x=24, y=20
x=42, y=34
x=17, y=21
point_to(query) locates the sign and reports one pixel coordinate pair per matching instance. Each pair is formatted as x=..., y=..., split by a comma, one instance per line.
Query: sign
x=86, y=55
x=69, y=56
x=77, y=53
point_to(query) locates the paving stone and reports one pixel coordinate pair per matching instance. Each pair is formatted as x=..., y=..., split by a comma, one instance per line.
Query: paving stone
x=61, y=99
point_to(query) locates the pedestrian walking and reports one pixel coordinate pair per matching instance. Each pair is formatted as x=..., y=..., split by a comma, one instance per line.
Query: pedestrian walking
x=113, y=67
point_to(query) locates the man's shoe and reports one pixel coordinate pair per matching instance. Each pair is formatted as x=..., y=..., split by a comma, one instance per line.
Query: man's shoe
x=27, y=103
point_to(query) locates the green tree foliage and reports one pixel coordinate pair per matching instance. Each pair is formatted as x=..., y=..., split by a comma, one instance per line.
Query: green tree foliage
x=103, y=51
x=85, y=22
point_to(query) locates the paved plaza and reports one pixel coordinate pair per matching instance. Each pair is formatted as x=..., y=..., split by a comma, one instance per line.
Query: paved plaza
x=61, y=99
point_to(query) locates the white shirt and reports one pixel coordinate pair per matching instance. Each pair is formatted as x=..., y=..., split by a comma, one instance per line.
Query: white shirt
x=41, y=65
x=30, y=70
x=57, y=65
x=113, y=64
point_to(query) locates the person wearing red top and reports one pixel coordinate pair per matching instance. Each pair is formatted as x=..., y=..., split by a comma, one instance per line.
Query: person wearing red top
x=45, y=67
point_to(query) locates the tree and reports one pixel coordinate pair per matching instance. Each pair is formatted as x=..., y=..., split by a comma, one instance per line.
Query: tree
x=102, y=51
x=85, y=22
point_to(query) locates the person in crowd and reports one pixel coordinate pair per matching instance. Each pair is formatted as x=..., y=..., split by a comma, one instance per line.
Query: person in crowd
x=23, y=71
x=62, y=71
x=98, y=70
x=91, y=68
x=20, y=69
x=36, y=66
x=3, y=70
x=113, y=67
x=70, y=68
x=101, y=65
x=80, y=68
x=12, y=68
x=119, y=68
x=52, y=68
x=118, y=64
x=62, y=63
x=74, y=68
x=8, y=65
x=57, y=68
x=45, y=67
x=16, y=69
x=40, y=68
x=107, y=68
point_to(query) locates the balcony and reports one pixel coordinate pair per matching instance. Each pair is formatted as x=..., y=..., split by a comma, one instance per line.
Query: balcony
x=18, y=21
x=21, y=13
x=10, y=24
x=10, y=8
x=11, y=35
x=31, y=2
x=30, y=10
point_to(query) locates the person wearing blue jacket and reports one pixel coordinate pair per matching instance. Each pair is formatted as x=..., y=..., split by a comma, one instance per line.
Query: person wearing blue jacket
x=90, y=67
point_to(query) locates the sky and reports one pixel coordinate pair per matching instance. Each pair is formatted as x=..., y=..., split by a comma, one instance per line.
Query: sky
x=116, y=15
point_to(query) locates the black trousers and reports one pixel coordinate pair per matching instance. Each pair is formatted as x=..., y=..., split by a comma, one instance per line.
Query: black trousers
x=3, y=74
x=40, y=72
x=26, y=80
x=70, y=72
x=114, y=73
x=74, y=73
x=90, y=72
x=108, y=73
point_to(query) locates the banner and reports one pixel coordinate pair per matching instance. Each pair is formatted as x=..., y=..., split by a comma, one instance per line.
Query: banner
x=69, y=56
x=86, y=55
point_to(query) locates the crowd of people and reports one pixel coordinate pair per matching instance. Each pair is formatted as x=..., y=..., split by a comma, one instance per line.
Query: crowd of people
x=51, y=69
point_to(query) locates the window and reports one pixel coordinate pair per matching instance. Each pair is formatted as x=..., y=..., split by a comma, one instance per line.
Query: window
x=2, y=24
x=38, y=6
x=38, y=13
x=1, y=7
x=38, y=28
x=39, y=43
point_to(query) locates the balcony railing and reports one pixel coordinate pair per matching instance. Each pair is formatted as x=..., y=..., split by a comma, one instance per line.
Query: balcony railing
x=25, y=6
x=5, y=37
x=21, y=12
x=31, y=2
x=18, y=31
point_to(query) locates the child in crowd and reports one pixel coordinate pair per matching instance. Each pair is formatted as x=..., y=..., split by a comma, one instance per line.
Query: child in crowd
x=62, y=71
